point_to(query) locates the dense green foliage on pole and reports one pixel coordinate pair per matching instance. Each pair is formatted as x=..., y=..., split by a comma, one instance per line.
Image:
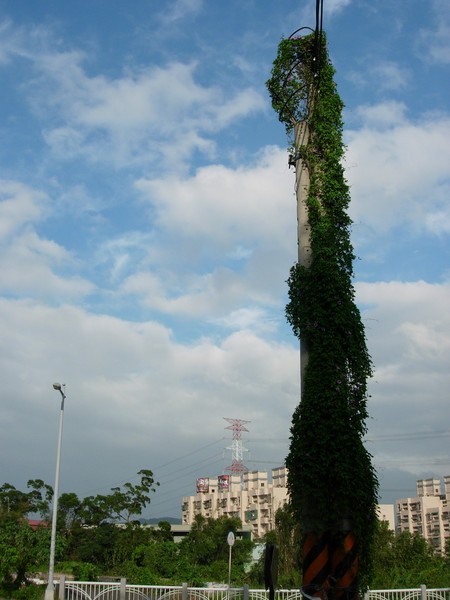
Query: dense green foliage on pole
x=331, y=479
x=401, y=560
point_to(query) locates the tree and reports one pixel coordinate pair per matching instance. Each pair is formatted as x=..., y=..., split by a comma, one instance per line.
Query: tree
x=159, y=557
x=103, y=544
x=286, y=536
x=40, y=497
x=13, y=503
x=16, y=504
x=406, y=560
x=121, y=505
x=69, y=506
x=206, y=547
x=21, y=547
x=93, y=544
x=21, y=550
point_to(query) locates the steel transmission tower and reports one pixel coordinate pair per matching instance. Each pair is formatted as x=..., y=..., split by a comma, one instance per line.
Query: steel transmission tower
x=237, y=426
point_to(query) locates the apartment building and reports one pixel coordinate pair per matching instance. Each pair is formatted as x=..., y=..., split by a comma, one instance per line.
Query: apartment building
x=429, y=513
x=385, y=512
x=253, y=499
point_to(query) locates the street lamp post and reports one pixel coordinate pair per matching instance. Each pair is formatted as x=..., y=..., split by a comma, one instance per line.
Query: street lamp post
x=50, y=589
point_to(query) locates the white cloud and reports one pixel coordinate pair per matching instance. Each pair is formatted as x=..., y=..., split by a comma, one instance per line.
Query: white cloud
x=28, y=267
x=197, y=296
x=400, y=168
x=180, y=9
x=387, y=114
x=130, y=388
x=433, y=43
x=308, y=11
x=27, y=260
x=385, y=76
x=119, y=120
x=409, y=325
x=204, y=219
x=66, y=142
x=337, y=5
x=391, y=76
x=124, y=254
x=438, y=221
x=19, y=205
x=253, y=319
x=408, y=330
x=228, y=205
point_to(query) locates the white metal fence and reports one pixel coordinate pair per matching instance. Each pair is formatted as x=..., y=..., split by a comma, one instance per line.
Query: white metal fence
x=120, y=590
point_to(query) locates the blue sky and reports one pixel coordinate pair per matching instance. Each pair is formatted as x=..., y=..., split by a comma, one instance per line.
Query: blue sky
x=148, y=225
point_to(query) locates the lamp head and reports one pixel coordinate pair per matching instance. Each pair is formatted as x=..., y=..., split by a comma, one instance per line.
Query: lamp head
x=57, y=386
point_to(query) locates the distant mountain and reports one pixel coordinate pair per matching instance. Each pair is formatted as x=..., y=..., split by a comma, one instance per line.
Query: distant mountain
x=155, y=521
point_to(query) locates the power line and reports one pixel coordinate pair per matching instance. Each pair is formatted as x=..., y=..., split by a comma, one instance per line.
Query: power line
x=404, y=437
x=173, y=476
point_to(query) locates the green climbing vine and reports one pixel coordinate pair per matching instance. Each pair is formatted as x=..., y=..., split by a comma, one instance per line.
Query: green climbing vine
x=331, y=478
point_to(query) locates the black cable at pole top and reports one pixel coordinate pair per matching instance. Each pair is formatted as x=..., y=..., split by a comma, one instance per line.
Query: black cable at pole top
x=318, y=33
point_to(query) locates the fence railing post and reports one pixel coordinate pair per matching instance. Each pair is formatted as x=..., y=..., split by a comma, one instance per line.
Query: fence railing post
x=123, y=588
x=245, y=590
x=423, y=592
x=62, y=585
x=184, y=591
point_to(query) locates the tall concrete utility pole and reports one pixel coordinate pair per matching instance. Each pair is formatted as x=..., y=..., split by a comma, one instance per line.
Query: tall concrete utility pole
x=301, y=131
x=331, y=481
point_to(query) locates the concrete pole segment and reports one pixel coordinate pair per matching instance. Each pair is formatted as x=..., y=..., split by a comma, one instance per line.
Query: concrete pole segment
x=301, y=131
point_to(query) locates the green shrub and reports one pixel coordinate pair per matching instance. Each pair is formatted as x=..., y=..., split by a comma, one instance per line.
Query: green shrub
x=138, y=575
x=27, y=592
x=85, y=572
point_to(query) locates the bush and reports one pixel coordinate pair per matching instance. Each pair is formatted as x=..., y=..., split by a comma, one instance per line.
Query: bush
x=26, y=592
x=138, y=575
x=85, y=572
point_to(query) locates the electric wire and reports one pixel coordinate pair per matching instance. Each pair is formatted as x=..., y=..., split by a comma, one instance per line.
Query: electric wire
x=178, y=474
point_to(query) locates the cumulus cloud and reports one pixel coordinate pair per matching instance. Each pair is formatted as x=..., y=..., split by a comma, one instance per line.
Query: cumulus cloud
x=225, y=204
x=28, y=267
x=391, y=76
x=19, y=205
x=29, y=262
x=400, y=167
x=407, y=326
x=118, y=372
x=433, y=42
x=333, y=8
x=216, y=209
x=415, y=315
x=181, y=9
x=119, y=120
x=385, y=76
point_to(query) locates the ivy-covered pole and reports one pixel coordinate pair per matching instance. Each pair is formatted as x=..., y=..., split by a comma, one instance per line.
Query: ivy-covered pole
x=332, y=483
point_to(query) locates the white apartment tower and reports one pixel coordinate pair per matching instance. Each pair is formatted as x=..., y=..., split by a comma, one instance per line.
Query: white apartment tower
x=429, y=513
x=250, y=497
